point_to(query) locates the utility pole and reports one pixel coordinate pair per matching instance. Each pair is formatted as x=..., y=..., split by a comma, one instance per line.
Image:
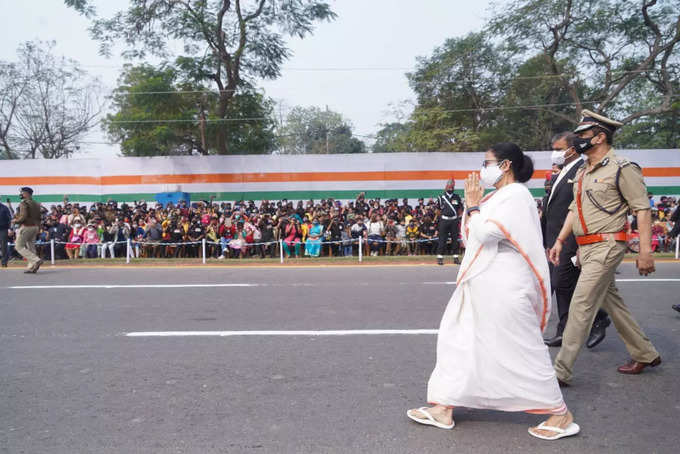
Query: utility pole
x=326, y=128
x=201, y=126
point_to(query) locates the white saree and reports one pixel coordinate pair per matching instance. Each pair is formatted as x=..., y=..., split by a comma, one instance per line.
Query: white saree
x=490, y=350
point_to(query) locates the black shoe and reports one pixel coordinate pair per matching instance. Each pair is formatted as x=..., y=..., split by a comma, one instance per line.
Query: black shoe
x=37, y=266
x=440, y=261
x=598, y=332
x=554, y=341
x=456, y=260
x=4, y=265
x=675, y=306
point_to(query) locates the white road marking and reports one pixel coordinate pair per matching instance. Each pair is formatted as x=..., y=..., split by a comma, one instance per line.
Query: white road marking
x=349, y=332
x=648, y=280
x=28, y=287
x=112, y=286
x=617, y=280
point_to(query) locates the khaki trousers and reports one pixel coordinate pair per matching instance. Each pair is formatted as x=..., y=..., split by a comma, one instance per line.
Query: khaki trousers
x=596, y=289
x=25, y=244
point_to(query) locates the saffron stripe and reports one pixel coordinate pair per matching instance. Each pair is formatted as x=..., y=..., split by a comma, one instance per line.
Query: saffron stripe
x=544, y=292
x=275, y=177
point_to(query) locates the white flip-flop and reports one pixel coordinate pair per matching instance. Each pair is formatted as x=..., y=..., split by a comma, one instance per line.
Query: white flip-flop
x=429, y=420
x=572, y=429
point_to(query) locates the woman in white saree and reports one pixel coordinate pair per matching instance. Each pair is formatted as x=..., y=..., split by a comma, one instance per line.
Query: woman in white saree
x=490, y=350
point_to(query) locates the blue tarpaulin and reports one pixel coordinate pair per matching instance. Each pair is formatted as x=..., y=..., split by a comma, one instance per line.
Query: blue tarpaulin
x=173, y=197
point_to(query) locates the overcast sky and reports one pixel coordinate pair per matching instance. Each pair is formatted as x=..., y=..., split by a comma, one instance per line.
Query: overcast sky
x=354, y=65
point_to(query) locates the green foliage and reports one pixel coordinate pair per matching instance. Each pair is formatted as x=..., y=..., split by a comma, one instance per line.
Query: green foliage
x=159, y=111
x=616, y=50
x=82, y=6
x=228, y=43
x=536, y=65
x=310, y=130
x=393, y=138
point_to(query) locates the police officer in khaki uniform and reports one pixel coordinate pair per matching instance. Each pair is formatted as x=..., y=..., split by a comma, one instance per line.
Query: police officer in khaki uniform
x=606, y=187
x=28, y=217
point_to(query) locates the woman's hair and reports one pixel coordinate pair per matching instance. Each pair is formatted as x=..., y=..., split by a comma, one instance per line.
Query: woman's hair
x=521, y=164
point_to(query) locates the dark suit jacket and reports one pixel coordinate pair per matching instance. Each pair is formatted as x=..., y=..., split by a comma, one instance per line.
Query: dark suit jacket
x=5, y=217
x=555, y=212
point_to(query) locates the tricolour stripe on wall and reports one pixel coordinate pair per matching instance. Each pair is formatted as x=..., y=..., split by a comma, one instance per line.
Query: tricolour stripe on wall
x=389, y=175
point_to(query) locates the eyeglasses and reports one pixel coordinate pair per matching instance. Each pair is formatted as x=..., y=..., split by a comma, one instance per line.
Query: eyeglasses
x=486, y=162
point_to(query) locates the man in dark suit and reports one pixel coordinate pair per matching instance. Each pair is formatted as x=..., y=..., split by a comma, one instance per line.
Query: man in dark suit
x=5, y=221
x=563, y=277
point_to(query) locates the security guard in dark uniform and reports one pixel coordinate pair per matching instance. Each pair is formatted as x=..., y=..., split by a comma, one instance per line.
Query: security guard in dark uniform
x=606, y=187
x=450, y=207
x=28, y=217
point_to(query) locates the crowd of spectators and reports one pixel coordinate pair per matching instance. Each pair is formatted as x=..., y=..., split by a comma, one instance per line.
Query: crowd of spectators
x=247, y=229
x=239, y=230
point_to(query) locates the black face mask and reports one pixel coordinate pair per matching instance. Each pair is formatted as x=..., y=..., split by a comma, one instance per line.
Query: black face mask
x=581, y=145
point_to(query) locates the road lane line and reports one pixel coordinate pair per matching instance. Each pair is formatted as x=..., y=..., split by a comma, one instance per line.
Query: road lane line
x=294, y=284
x=108, y=286
x=617, y=280
x=648, y=280
x=350, y=332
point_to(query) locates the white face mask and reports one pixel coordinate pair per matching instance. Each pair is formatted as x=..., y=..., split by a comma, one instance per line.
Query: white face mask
x=558, y=157
x=490, y=175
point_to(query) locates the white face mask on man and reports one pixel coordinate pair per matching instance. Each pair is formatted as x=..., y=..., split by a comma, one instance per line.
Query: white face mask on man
x=558, y=157
x=490, y=175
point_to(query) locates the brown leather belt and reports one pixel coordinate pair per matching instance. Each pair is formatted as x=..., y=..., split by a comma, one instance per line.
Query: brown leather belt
x=600, y=237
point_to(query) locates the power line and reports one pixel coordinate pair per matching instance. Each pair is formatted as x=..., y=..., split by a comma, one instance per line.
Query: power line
x=386, y=68
x=217, y=92
x=213, y=120
x=475, y=109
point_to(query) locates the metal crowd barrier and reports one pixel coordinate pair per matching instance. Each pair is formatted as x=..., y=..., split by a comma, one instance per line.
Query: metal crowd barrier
x=130, y=244
x=135, y=245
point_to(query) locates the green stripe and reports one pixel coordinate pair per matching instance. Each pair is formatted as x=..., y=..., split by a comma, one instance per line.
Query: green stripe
x=290, y=195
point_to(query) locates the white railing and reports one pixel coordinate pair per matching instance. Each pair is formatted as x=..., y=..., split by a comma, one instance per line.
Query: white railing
x=132, y=247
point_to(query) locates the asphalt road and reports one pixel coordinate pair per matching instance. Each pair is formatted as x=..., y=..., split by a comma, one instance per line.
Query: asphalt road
x=71, y=381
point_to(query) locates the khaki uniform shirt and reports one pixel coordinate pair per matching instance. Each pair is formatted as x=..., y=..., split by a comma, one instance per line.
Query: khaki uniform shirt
x=603, y=209
x=29, y=213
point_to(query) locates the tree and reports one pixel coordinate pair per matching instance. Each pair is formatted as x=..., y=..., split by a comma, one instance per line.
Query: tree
x=312, y=130
x=464, y=77
x=615, y=47
x=533, y=126
x=226, y=42
x=537, y=63
x=47, y=104
x=393, y=138
x=161, y=111
x=82, y=6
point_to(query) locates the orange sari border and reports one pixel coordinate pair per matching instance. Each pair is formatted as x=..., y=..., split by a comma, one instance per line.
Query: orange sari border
x=544, y=292
x=470, y=265
x=562, y=409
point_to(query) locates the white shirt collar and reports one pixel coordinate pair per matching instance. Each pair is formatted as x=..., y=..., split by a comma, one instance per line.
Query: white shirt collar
x=561, y=175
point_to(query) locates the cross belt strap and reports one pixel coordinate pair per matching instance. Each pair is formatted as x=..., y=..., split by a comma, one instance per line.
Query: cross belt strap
x=448, y=202
x=600, y=237
x=579, y=205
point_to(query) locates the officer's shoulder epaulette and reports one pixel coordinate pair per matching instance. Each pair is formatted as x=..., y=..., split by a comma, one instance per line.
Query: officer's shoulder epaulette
x=625, y=162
